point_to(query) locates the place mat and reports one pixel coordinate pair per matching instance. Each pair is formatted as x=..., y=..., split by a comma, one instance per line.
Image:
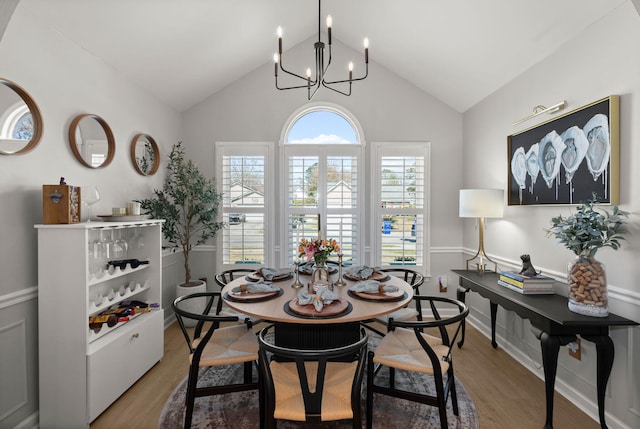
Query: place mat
x=337, y=308
x=377, y=275
x=253, y=296
x=399, y=295
x=255, y=276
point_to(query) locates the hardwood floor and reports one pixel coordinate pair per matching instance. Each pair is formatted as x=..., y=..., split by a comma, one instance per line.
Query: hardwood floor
x=506, y=395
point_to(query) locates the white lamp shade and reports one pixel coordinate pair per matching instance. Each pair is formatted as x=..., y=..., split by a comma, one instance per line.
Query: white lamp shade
x=481, y=203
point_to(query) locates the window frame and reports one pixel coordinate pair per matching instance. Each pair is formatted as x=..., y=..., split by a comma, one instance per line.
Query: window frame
x=267, y=149
x=389, y=148
x=357, y=149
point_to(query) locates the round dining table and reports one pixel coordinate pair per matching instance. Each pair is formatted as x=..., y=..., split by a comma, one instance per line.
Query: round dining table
x=315, y=330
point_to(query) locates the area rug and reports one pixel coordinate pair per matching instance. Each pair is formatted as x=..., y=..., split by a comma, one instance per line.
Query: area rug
x=240, y=410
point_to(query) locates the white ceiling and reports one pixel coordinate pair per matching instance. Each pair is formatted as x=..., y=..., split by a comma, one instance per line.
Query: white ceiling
x=183, y=51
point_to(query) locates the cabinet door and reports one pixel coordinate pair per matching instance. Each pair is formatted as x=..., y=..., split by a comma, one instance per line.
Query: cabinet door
x=115, y=366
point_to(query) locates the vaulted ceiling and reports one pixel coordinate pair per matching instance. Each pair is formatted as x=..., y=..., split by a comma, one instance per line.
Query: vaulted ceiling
x=183, y=51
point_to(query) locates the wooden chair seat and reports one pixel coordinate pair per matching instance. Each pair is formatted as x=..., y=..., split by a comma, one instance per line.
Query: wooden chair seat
x=229, y=345
x=400, y=349
x=336, y=395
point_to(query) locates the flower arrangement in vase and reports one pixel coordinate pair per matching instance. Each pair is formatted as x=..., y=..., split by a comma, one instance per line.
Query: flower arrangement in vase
x=584, y=233
x=318, y=251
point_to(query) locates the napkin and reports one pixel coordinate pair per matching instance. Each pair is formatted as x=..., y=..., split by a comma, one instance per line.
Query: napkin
x=271, y=273
x=322, y=297
x=372, y=286
x=255, y=287
x=306, y=267
x=360, y=272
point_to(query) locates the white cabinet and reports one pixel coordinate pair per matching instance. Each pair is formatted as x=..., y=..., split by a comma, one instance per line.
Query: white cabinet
x=81, y=371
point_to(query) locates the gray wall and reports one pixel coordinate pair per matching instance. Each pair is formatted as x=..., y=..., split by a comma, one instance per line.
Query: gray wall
x=466, y=151
x=605, y=60
x=388, y=109
x=64, y=81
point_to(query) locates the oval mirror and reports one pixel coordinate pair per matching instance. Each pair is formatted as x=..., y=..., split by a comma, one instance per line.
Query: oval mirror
x=20, y=120
x=145, y=154
x=92, y=141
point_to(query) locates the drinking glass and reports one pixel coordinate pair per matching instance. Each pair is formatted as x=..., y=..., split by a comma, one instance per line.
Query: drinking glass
x=90, y=196
x=118, y=245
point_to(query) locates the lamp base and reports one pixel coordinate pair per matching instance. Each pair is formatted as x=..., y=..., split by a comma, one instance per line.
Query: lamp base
x=481, y=266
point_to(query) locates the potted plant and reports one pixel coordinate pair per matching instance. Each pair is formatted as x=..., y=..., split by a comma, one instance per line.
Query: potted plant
x=584, y=233
x=188, y=202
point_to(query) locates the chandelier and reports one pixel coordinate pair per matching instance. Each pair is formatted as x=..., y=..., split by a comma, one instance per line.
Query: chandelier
x=313, y=85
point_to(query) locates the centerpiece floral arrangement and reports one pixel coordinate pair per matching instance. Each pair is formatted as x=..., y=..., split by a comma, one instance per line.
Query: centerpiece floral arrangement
x=317, y=250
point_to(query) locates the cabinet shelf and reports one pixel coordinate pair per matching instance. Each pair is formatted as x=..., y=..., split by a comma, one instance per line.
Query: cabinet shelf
x=105, y=303
x=113, y=273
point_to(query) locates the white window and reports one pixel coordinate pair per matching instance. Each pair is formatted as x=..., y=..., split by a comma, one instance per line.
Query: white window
x=322, y=153
x=400, y=188
x=245, y=174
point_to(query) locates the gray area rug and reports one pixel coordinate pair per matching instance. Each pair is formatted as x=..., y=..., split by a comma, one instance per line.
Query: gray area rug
x=240, y=410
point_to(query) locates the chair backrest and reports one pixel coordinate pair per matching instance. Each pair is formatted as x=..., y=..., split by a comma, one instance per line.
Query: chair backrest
x=312, y=397
x=456, y=312
x=225, y=277
x=414, y=278
x=181, y=313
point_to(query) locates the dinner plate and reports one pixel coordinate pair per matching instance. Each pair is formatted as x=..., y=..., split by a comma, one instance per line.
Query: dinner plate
x=252, y=296
x=110, y=218
x=255, y=276
x=377, y=275
x=337, y=308
x=399, y=295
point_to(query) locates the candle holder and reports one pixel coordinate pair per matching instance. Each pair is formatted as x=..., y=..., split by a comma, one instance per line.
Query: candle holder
x=340, y=281
x=297, y=284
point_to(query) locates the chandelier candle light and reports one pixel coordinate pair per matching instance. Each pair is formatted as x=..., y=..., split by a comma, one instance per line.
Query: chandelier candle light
x=320, y=67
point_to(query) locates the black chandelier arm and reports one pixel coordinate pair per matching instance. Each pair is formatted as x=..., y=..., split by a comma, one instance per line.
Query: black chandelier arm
x=281, y=67
x=325, y=83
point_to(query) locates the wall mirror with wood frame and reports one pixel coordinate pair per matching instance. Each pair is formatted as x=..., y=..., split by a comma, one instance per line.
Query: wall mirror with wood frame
x=145, y=154
x=20, y=120
x=92, y=141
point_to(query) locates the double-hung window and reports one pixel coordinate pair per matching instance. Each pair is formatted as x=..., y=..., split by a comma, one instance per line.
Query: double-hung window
x=245, y=174
x=400, y=189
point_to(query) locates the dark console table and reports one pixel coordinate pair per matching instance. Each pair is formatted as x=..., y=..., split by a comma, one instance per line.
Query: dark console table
x=553, y=324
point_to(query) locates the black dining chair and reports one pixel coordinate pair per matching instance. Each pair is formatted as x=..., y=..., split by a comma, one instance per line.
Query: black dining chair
x=222, y=279
x=419, y=346
x=415, y=280
x=311, y=385
x=220, y=345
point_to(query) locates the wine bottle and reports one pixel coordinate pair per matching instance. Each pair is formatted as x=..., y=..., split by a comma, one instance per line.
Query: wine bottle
x=96, y=322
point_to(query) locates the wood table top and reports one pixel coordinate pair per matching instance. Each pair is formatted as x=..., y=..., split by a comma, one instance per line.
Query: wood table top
x=274, y=309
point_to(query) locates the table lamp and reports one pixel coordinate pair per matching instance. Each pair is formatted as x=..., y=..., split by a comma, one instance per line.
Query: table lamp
x=481, y=204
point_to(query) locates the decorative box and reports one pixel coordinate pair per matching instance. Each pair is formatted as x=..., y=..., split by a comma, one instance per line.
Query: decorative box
x=60, y=204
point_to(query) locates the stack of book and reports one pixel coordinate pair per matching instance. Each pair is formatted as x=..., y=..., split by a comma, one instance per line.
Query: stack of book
x=526, y=284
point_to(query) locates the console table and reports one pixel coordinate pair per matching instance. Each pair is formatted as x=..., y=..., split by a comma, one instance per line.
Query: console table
x=553, y=324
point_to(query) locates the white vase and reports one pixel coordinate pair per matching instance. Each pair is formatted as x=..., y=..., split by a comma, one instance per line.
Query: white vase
x=195, y=305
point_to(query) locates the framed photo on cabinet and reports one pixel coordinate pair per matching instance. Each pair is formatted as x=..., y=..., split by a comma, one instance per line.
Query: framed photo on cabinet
x=567, y=159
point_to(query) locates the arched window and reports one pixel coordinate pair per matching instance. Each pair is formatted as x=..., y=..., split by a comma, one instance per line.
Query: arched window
x=323, y=151
x=322, y=126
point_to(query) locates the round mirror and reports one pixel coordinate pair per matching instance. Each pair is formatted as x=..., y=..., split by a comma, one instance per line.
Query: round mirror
x=92, y=141
x=20, y=120
x=145, y=154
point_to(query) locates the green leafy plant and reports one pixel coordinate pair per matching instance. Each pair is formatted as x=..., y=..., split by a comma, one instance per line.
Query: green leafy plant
x=188, y=203
x=589, y=230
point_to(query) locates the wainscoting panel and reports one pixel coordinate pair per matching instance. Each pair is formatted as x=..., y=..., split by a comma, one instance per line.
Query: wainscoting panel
x=18, y=358
x=13, y=383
